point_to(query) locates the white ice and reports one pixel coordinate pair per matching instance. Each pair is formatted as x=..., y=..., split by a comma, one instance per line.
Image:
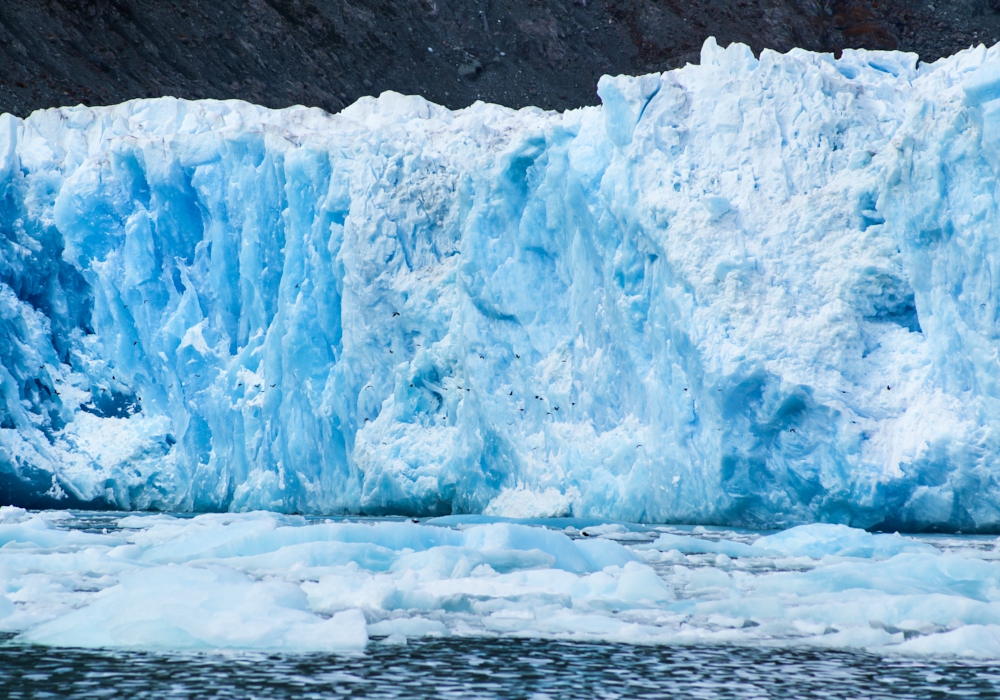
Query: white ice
x=268, y=581
x=755, y=292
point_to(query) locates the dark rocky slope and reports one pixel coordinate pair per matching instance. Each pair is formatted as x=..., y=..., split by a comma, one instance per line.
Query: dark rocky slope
x=328, y=53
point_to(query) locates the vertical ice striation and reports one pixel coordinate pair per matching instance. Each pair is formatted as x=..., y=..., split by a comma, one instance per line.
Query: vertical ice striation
x=755, y=291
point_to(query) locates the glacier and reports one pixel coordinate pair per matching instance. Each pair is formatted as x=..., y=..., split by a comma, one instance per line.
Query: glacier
x=754, y=292
x=274, y=582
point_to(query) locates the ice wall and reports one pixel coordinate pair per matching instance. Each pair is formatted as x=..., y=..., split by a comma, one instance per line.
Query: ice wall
x=752, y=292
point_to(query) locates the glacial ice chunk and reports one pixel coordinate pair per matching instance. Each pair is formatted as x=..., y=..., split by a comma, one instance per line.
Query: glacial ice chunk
x=983, y=84
x=172, y=607
x=269, y=582
x=820, y=540
x=697, y=545
x=975, y=641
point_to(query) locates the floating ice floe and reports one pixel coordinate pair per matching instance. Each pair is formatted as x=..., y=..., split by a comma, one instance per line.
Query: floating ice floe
x=267, y=581
x=759, y=291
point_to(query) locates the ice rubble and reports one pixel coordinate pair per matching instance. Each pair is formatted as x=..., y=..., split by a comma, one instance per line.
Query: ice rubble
x=754, y=291
x=268, y=581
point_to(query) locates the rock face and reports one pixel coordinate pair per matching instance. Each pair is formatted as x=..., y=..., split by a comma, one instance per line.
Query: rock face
x=328, y=53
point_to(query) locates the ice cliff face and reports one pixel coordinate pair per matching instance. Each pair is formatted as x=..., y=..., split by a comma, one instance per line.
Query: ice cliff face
x=754, y=292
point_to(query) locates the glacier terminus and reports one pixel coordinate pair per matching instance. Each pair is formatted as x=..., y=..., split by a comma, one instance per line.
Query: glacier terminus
x=756, y=292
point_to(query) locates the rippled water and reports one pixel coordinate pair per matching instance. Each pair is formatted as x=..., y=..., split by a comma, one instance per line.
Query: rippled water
x=468, y=668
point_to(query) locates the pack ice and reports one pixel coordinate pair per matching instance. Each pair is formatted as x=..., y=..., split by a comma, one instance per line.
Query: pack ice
x=753, y=292
x=284, y=583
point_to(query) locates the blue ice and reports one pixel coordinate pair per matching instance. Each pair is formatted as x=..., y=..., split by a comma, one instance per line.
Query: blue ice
x=754, y=292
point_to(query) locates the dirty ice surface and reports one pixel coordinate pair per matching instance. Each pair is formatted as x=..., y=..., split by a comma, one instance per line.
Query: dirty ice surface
x=268, y=581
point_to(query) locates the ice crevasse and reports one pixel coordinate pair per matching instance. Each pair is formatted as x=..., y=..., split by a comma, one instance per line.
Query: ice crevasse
x=754, y=292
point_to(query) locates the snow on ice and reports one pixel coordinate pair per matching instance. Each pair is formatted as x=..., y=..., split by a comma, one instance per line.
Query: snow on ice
x=753, y=292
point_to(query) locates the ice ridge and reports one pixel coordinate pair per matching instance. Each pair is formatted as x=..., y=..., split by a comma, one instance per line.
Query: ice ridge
x=755, y=292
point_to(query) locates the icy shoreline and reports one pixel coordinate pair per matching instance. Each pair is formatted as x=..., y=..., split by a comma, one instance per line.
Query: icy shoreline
x=270, y=582
x=754, y=292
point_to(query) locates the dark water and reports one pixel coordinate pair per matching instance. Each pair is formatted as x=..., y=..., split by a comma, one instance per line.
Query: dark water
x=509, y=669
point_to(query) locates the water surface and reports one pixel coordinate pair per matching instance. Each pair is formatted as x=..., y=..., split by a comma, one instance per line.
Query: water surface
x=499, y=668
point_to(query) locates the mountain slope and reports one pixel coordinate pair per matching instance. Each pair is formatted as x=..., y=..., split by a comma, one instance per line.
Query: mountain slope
x=328, y=53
